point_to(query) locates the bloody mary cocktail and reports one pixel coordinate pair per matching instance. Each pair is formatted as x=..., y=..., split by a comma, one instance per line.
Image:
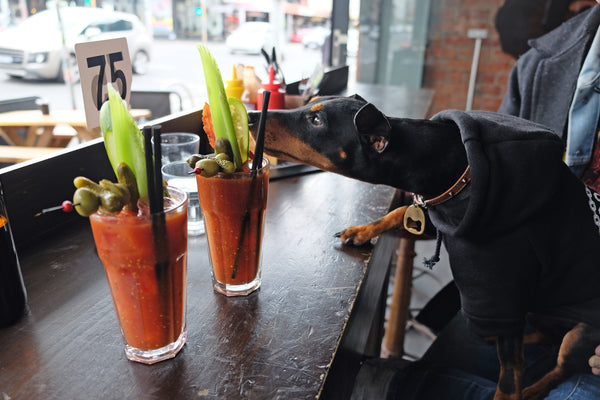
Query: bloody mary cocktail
x=233, y=205
x=146, y=272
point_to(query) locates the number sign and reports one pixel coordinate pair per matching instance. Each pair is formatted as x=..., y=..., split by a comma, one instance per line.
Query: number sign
x=101, y=62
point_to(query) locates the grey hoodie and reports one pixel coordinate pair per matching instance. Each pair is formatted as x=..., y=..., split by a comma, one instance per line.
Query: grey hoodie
x=521, y=236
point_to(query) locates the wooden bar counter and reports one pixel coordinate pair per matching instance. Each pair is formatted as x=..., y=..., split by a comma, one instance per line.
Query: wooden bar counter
x=318, y=306
x=303, y=335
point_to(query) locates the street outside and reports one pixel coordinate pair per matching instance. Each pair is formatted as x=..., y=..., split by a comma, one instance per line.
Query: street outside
x=176, y=66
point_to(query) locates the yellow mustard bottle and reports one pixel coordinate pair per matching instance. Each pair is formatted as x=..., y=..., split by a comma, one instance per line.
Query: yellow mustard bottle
x=234, y=87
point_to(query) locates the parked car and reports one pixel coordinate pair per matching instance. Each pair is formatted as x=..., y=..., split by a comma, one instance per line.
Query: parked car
x=33, y=49
x=251, y=37
x=316, y=37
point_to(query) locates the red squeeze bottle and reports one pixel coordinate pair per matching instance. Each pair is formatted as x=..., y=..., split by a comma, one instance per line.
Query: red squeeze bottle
x=277, y=99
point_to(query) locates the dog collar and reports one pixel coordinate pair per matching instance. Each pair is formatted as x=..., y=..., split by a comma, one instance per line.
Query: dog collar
x=460, y=184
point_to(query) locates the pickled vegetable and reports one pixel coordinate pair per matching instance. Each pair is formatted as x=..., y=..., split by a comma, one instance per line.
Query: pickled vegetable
x=108, y=196
x=222, y=145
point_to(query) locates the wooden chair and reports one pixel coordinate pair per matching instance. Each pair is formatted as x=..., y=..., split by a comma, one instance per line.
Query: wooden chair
x=21, y=103
x=159, y=102
x=16, y=104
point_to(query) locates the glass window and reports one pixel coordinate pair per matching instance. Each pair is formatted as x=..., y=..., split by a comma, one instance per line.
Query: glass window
x=392, y=41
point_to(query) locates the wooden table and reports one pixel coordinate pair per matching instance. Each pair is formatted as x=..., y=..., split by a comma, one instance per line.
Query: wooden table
x=318, y=314
x=318, y=302
x=40, y=127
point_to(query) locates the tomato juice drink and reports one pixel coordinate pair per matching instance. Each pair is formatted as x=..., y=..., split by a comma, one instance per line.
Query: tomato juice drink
x=145, y=265
x=233, y=205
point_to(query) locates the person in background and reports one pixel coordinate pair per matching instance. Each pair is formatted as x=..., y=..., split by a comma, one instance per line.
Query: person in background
x=566, y=60
x=556, y=83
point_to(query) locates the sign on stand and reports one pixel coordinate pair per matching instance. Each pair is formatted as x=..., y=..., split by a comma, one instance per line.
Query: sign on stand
x=101, y=62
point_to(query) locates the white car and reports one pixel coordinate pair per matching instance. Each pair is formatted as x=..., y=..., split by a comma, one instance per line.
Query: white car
x=33, y=49
x=316, y=38
x=251, y=37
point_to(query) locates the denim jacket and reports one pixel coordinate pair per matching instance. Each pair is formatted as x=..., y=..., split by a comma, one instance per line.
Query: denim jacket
x=584, y=112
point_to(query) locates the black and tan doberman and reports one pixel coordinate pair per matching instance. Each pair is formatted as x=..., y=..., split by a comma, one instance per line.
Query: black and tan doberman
x=522, y=232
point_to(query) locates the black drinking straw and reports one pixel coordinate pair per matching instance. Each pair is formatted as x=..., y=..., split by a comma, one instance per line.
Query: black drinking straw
x=260, y=135
x=147, y=131
x=152, y=156
x=158, y=181
x=256, y=165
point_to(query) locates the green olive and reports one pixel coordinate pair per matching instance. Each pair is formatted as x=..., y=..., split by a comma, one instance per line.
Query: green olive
x=208, y=167
x=222, y=145
x=86, y=201
x=193, y=159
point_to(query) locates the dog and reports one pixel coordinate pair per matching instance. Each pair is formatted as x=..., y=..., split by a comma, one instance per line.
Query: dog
x=522, y=232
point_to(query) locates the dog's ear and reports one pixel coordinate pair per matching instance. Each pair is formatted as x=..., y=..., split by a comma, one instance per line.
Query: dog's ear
x=357, y=97
x=373, y=126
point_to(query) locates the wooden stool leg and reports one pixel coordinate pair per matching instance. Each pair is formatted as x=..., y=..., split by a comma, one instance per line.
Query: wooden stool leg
x=393, y=340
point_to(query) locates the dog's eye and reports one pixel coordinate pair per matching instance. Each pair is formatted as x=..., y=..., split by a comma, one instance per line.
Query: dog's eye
x=315, y=120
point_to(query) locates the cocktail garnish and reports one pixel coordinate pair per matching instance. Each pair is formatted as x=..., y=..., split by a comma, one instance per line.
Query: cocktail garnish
x=228, y=118
x=122, y=138
x=66, y=206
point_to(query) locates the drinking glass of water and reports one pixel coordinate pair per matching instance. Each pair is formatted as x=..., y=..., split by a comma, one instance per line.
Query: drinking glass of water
x=181, y=175
x=178, y=146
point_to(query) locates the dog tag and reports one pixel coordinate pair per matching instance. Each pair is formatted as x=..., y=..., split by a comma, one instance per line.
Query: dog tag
x=414, y=220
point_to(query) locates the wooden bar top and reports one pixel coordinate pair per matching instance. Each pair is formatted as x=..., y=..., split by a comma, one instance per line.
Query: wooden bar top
x=276, y=343
x=303, y=335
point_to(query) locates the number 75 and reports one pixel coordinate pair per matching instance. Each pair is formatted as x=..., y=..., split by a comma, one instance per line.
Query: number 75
x=115, y=75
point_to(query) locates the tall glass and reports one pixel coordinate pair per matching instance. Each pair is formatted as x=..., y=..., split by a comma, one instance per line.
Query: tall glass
x=234, y=206
x=145, y=259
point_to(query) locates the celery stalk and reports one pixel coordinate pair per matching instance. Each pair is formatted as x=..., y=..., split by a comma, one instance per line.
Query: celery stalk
x=219, y=107
x=122, y=138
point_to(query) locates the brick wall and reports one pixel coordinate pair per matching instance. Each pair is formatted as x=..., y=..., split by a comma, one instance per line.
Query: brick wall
x=449, y=55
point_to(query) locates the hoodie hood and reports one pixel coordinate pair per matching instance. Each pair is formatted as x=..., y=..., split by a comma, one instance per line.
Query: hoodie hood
x=499, y=149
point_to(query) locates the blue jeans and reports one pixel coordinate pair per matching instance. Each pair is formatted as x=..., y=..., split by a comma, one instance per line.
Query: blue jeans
x=451, y=384
x=460, y=365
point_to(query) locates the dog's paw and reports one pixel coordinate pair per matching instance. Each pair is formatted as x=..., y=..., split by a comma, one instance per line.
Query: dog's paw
x=357, y=235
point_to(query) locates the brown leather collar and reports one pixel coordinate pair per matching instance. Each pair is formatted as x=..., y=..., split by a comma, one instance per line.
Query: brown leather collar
x=460, y=184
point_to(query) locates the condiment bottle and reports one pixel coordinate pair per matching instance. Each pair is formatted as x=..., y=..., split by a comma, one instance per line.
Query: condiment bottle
x=277, y=99
x=13, y=298
x=234, y=87
x=251, y=84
